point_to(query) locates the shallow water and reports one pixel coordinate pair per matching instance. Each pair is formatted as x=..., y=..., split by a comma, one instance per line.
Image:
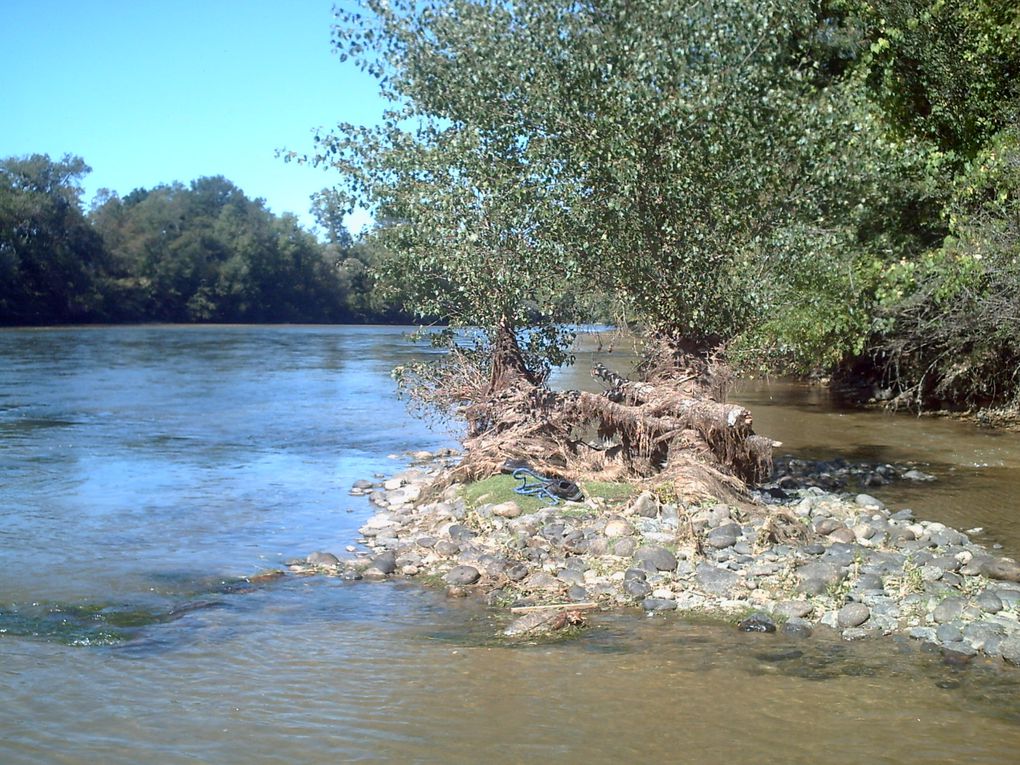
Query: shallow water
x=144, y=470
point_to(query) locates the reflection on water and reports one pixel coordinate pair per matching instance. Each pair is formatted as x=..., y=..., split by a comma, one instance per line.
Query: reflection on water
x=143, y=470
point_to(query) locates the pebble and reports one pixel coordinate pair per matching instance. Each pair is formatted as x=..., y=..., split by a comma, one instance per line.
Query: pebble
x=617, y=527
x=658, y=604
x=907, y=575
x=949, y=633
x=818, y=576
x=853, y=615
x=661, y=558
x=462, y=575
x=794, y=609
x=989, y=602
x=509, y=509
x=722, y=537
x=948, y=610
x=757, y=622
x=798, y=628
x=716, y=581
x=322, y=559
x=646, y=505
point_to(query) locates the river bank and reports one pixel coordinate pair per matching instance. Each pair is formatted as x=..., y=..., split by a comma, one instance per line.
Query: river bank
x=859, y=569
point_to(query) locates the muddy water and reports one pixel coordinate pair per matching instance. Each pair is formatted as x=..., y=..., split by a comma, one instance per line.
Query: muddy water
x=143, y=470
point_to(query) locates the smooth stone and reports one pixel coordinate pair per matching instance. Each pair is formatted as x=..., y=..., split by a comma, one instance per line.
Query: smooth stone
x=866, y=500
x=1010, y=649
x=949, y=633
x=853, y=615
x=797, y=628
x=426, y=542
x=461, y=533
x=361, y=484
x=637, y=588
x=724, y=536
x=794, y=609
x=917, y=475
x=948, y=610
x=843, y=535
x=922, y=633
x=624, y=548
x=658, y=604
x=322, y=559
x=508, y=509
x=462, y=575
x=384, y=564
x=617, y=527
x=816, y=577
x=646, y=505
x=813, y=549
x=446, y=547
x=906, y=514
x=1001, y=569
x=717, y=581
x=989, y=602
x=516, y=572
x=660, y=557
x=757, y=622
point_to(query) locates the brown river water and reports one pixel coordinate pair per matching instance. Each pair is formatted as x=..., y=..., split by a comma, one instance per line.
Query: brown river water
x=144, y=470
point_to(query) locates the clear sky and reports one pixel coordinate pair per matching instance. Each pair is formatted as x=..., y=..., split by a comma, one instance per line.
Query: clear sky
x=155, y=91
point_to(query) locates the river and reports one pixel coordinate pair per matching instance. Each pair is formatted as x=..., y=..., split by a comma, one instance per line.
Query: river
x=144, y=471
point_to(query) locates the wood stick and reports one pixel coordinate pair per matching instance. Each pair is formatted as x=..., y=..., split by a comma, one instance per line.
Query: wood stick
x=553, y=607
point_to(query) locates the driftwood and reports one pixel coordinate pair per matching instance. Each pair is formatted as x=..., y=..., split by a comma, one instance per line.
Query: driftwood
x=673, y=427
x=554, y=607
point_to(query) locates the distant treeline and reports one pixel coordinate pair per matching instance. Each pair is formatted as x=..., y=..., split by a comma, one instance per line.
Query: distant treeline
x=198, y=253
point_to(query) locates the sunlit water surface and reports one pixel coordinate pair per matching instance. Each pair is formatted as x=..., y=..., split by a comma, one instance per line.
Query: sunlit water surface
x=145, y=471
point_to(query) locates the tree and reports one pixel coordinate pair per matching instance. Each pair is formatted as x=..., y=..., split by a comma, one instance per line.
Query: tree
x=948, y=72
x=50, y=257
x=548, y=146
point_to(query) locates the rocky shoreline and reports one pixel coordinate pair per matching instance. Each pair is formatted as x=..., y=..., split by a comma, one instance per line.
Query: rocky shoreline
x=858, y=568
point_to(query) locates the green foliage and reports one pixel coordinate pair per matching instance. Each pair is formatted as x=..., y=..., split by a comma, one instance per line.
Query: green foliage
x=549, y=147
x=50, y=257
x=208, y=253
x=945, y=71
x=952, y=317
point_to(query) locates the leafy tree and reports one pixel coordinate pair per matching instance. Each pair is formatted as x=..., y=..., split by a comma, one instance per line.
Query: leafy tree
x=49, y=255
x=679, y=156
x=206, y=252
x=948, y=72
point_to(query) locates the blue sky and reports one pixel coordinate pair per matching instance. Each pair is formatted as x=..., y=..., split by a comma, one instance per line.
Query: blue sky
x=152, y=92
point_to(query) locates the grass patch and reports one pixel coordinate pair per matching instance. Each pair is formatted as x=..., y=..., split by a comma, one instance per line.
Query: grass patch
x=500, y=488
x=612, y=493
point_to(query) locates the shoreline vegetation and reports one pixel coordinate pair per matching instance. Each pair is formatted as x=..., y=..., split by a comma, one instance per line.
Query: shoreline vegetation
x=860, y=571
